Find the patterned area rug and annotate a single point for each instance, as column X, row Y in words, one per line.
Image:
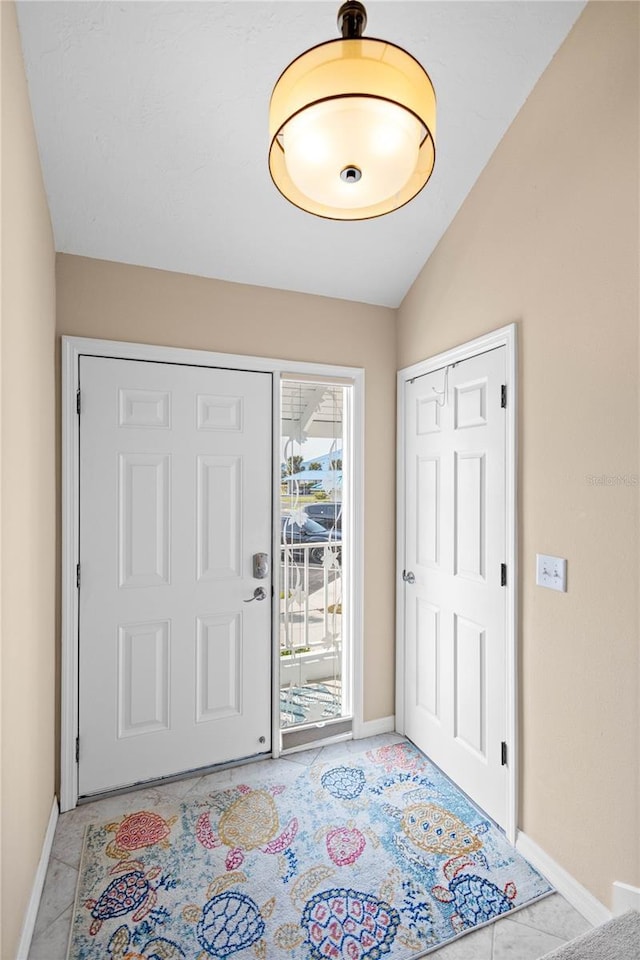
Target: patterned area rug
column 381, row 857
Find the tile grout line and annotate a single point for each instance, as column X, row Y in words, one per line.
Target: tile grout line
column 41, row 939
column 42, row 933
column 63, row 862
column 532, row 926
column 69, row 906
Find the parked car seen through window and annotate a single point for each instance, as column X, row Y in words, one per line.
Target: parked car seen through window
column 308, row 532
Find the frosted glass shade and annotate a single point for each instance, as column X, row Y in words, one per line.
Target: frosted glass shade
column 362, row 104
column 380, row 140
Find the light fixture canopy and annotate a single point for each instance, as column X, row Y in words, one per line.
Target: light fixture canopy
column 352, row 125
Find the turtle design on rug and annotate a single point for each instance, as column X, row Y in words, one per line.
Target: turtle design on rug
column 130, row 892
column 138, row 830
column 157, row 949
column 340, row 923
column 433, row 829
column 343, row 922
column 344, row 783
column 393, row 757
column 249, row 821
column 345, row 843
column 475, row 898
column 229, row 921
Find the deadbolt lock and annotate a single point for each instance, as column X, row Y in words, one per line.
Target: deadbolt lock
column 260, row 566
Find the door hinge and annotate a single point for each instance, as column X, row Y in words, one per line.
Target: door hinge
column 503, row 395
column 78, row 404
column 503, row 753
column 503, row 574
column 78, row 575
column 77, row 749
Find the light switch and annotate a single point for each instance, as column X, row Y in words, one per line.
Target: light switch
column 551, row 572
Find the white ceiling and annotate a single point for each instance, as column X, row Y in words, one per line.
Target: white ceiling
column 151, row 121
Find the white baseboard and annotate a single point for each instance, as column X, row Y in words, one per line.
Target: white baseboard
column 625, row 897
column 373, row 728
column 29, row 922
column 577, row 895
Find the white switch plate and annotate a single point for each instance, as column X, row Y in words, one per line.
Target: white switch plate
column 551, row 572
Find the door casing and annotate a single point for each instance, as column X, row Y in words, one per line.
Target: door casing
column 72, row 349
column 507, row 337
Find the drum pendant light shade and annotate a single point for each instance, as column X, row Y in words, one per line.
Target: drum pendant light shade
column 352, row 128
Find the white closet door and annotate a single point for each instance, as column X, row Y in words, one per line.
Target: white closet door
column 456, row 690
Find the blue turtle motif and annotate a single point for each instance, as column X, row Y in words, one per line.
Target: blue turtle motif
column 131, row 891
column 345, row 783
column 476, row 899
column 121, row 896
column 230, row 922
column 342, row 922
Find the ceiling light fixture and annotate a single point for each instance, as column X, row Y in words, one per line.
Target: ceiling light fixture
column 352, row 125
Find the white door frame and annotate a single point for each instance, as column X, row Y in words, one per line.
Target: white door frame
column 72, row 349
column 507, row 337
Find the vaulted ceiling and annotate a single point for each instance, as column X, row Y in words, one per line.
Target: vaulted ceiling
column 151, row 121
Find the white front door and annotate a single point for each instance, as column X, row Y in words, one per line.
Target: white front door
column 175, row 498
column 455, row 608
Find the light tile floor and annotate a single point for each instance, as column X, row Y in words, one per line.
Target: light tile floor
column 527, row 935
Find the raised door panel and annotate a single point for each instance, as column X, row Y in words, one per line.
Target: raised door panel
column 428, row 664
column 470, row 684
column 219, row 413
column 218, row 667
column 470, row 403
column 144, row 408
column 143, row 678
column 469, row 522
column 144, row 519
column 428, row 412
column 428, row 509
column 219, row 517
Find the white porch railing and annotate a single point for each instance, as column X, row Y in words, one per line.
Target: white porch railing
column 311, row 597
column 310, row 634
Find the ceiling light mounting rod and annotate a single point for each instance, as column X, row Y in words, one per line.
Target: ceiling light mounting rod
column 352, row 19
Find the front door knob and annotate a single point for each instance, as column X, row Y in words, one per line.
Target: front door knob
column 258, row 594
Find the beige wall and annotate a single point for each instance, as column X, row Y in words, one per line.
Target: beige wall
column 548, row 237
column 102, row 299
column 27, row 501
